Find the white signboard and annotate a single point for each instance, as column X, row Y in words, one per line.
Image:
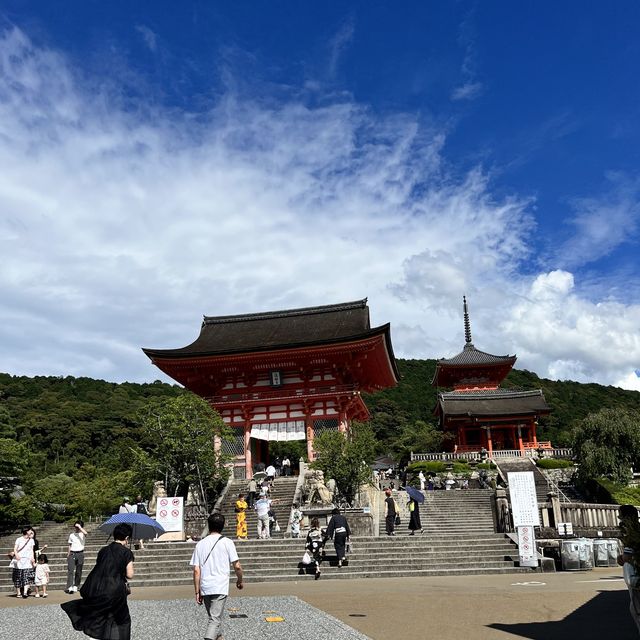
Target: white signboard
column 524, row 502
column 170, row 513
column 527, row 547
column 566, row 529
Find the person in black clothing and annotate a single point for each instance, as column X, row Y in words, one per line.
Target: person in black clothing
column 338, row 529
column 103, row 612
column 389, row 513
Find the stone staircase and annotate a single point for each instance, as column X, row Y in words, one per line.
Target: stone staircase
column 282, row 495
column 459, row 539
column 447, row 512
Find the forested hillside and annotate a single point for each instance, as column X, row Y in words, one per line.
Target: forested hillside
column 70, row 421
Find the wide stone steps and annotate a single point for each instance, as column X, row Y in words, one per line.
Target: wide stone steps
column 282, row 495
column 166, row 563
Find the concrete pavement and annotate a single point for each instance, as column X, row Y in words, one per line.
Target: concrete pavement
column 587, row 605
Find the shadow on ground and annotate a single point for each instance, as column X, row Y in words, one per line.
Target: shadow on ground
column 605, row 616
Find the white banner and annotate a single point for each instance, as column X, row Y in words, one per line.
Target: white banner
column 524, row 502
column 170, row 513
column 279, row 431
column 527, row 547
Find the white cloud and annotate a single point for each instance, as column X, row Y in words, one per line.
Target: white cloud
column 467, row 91
column 149, row 36
column 603, row 222
column 120, row 227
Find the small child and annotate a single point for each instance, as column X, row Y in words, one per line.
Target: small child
column 42, row 575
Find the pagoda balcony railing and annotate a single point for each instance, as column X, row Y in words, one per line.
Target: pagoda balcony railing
column 469, row 452
column 283, row 394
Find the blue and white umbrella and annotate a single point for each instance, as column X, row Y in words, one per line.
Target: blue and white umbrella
column 144, row 527
column 413, row 493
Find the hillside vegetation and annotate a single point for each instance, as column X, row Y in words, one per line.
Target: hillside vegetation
column 71, row 421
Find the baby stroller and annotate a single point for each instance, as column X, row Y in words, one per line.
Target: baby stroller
column 314, row 549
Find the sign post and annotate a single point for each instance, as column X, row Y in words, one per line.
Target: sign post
column 526, row 516
column 170, row 514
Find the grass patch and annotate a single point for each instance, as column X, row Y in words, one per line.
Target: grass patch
column 620, row 494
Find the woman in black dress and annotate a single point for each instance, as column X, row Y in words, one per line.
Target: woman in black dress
column 414, row 517
column 338, row 529
column 103, row 612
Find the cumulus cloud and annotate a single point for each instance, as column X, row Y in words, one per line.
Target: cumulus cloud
column 120, row 227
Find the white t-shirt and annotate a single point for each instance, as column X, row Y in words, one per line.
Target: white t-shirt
column 76, row 541
column 214, row 570
column 24, row 548
column 271, row 470
column 262, row 507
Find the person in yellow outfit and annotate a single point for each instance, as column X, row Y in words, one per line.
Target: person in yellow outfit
column 241, row 517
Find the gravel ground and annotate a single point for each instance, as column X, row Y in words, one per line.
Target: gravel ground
column 184, row 620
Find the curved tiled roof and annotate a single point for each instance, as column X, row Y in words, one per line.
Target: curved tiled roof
column 493, row 402
column 472, row 356
column 272, row 330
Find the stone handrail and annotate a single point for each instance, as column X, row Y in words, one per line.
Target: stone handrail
column 562, row 452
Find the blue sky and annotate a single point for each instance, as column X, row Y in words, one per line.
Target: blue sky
column 168, row 160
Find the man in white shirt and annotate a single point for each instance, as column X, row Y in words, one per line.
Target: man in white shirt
column 271, row 474
column 210, row 561
column 286, row 467
column 262, row 507
column 75, row 557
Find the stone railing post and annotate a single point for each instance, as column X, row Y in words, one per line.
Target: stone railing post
column 555, row 507
column 503, row 519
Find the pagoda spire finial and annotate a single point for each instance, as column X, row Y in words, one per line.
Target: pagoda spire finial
column 467, row 324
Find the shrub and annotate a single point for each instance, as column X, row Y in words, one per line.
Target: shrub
column 619, row 493
column 554, row 463
column 435, row 466
column 487, row 466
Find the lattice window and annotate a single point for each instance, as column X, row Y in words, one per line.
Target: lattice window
column 320, row 426
column 235, row 445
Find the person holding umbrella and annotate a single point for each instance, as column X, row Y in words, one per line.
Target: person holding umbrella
column 142, row 526
column 415, row 498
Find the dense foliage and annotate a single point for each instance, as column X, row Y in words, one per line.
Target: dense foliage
column 607, row 443
column 346, row 459
column 82, row 443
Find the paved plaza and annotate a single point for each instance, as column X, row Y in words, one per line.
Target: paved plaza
column 586, row 605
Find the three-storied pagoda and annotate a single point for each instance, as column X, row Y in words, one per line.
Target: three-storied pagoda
column 478, row 412
column 284, row 375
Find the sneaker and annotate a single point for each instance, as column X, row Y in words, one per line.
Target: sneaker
column 37, row 595
column 317, row 576
column 44, row 595
column 339, row 563
column 69, row 590
column 74, row 589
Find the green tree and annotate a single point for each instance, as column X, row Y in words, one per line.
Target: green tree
column 346, row 457
column 419, row 437
column 179, row 438
column 607, row 443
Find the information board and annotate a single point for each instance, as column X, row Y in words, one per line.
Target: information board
column 527, row 547
column 524, row 502
column 170, row 512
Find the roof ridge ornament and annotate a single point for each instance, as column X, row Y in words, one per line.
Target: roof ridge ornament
column 467, row 324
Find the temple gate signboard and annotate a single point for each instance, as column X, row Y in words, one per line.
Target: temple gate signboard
column 526, row 516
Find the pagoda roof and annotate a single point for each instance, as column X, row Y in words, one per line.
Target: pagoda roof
column 492, row 402
column 472, row 356
column 276, row 330
column 471, row 363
